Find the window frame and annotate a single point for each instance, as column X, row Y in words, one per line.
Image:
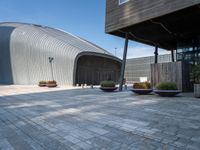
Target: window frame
column 120, row 3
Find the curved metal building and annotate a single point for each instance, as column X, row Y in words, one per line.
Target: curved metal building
column 25, row 50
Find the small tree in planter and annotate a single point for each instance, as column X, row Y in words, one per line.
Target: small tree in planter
column 142, row 88
column 196, row 73
column 42, row 83
column 108, row 86
column 167, row 89
column 52, row 83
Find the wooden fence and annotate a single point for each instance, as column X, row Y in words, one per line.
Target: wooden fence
column 178, row 72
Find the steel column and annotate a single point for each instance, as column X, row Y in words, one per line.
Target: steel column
column 123, row 63
column 156, row 55
column 172, row 55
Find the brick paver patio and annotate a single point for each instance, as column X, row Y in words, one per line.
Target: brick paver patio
column 91, row 119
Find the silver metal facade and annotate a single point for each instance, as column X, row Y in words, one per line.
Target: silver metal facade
column 137, row 68
column 25, row 48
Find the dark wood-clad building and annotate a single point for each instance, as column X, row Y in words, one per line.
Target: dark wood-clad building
column 173, row 25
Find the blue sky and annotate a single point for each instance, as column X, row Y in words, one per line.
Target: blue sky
column 84, row 18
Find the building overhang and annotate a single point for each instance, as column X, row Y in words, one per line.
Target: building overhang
column 166, row 30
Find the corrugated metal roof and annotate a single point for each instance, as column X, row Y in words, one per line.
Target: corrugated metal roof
column 28, row 47
column 67, row 38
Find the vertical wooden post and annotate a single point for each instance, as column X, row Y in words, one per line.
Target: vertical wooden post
column 156, row 54
column 123, row 63
column 172, row 55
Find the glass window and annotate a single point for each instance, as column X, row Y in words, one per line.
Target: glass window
column 122, row 1
column 188, row 50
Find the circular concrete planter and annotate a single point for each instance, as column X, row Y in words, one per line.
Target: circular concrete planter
column 142, row 91
column 197, row 90
column 167, row 93
column 42, row 85
column 51, row 85
column 108, row 89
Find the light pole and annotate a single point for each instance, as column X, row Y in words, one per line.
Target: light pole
column 115, row 52
column 51, row 66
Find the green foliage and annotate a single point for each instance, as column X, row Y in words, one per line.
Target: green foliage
column 42, row 82
column 196, row 73
column 166, row 86
column 142, row 85
column 107, row 84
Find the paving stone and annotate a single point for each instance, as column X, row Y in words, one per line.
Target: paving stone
column 5, row 145
column 76, row 147
column 128, row 128
column 84, row 145
column 179, row 144
column 72, row 139
column 79, row 119
column 196, row 139
column 97, row 130
column 19, row 143
column 81, row 134
column 193, row 146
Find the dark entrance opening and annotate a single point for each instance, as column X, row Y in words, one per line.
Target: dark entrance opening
column 6, row 74
column 91, row 70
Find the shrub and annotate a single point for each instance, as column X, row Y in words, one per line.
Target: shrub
column 142, row 85
column 107, row 84
column 51, row 82
column 166, row 86
column 42, row 82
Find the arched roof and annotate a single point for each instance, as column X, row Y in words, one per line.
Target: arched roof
column 32, row 43
column 62, row 38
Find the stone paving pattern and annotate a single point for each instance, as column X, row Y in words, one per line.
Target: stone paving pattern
column 90, row 119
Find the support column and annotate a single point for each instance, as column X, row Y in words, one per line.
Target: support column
column 156, row 54
column 172, row 55
column 123, row 63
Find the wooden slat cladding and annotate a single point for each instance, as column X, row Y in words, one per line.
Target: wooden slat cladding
column 197, row 90
column 178, row 72
column 93, row 69
column 136, row 11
